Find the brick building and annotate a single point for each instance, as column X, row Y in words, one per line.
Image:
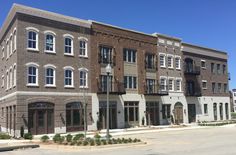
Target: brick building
column 53, row 77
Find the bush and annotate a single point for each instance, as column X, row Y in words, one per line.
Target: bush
column 79, row 143
column 4, row 136
column 61, row 140
column 98, row 142
column 56, row 138
column 72, row 143
column 130, row 140
column 119, row 141
column 44, row 138
column 92, row 142
column 28, row 136
column 97, row 136
column 69, row 138
column 85, row 142
column 78, row 137
column 109, row 142
column 104, row 142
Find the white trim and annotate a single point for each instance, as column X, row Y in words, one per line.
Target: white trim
column 177, row 56
column 32, row 28
column 32, row 64
column 49, row 32
column 206, row 84
column 86, row 77
column 54, row 76
column 173, row 85
column 68, row 35
column 172, row 58
column 180, row 79
column 164, row 55
column 201, row 63
column 72, row 45
column 83, row 38
column 83, row 68
column 50, row 65
column 86, row 47
column 68, row 67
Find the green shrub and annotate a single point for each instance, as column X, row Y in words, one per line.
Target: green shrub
column 61, row 140
column 97, row 136
column 138, row 140
column 85, row 142
column 104, row 142
column 79, row 143
column 28, row 136
column 72, row 143
column 44, row 138
column 130, row 140
column 56, row 138
column 78, row 137
column 4, row 136
column 69, row 138
column 109, row 142
column 135, row 140
column 98, row 142
column 119, row 141
column 92, row 142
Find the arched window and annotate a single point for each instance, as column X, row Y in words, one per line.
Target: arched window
column 10, row 78
column 14, row 75
column 14, row 40
column 69, row 77
column 83, row 78
column 50, row 77
column 32, row 74
column 50, row 42
column 32, row 41
column 7, row 79
column 68, row 44
column 83, row 52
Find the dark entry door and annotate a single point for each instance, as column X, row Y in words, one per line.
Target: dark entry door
column 152, row 113
column 41, row 118
column 102, row 123
column 191, row 113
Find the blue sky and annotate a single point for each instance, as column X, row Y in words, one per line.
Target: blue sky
column 210, row 23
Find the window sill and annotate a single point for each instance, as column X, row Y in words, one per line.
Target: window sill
column 32, row 85
column 50, row 52
column 170, row 67
column 163, row 66
column 50, row 86
column 178, row 69
column 70, row 55
column 203, row 67
column 82, row 56
column 69, row 87
column 33, row 49
column 82, row 87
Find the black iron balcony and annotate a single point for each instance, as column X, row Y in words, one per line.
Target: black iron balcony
column 115, row 88
column 193, row 92
column 156, row 90
column 193, row 70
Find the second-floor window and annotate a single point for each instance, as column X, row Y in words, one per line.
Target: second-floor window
column 129, row 55
column 204, row 84
column 68, row 46
column 32, row 75
column 203, row 64
column 150, row 85
column 50, row 77
column 214, row 87
column 105, row 55
column 49, row 43
column 171, row 84
column 170, row 61
column 32, row 40
column 163, row 83
column 130, row 82
column 218, row 69
column 219, row 87
column 178, row 84
column 177, row 62
column 150, row 61
column 162, row 60
column 83, row 78
column 69, row 78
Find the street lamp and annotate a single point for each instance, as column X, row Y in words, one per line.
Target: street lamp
column 108, row 71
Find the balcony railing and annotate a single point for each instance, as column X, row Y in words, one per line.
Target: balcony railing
column 193, row 70
column 115, row 88
column 156, row 90
column 195, row 92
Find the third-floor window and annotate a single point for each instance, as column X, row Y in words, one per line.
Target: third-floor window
column 150, row 61
column 68, row 46
column 130, row 82
column 105, row 56
column 32, row 40
column 49, row 43
column 83, row 48
column 129, row 55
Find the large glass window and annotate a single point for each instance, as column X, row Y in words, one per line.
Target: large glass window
column 68, row 46
column 69, row 78
column 32, row 75
column 130, row 82
column 105, row 55
column 150, row 61
column 49, row 43
column 150, row 88
column 50, row 77
column 131, row 113
column 166, row 111
column 129, row 55
column 32, row 40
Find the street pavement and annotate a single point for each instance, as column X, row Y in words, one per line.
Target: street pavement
column 202, row 141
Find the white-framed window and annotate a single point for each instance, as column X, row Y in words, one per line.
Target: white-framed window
column 32, row 74
column 129, row 55
column 203, row 64
column 8, row 49
column 177, row 62
column 178, row 83
column 162, row 57
column 170, row 61
column 69, row 77
column 205, row 109
column 3, row 81
column 204, row 84
column 50, row 42
column 83, row 47
column 83, row 77
column 130, row 82
column 14, row 40
column 50, row 76
column 68, row 43
column 14, row 75
column 7, row 82
column 32, row 38
column 163, row 83
column 11, row 45
column 10, row 78
column 3, row 52
column 171, row 84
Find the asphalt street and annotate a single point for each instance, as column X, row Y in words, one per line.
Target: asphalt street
column 210, row 141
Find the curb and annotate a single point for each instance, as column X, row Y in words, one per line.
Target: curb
column 11, row 148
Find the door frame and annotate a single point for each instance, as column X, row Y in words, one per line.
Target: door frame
column 178, row 113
